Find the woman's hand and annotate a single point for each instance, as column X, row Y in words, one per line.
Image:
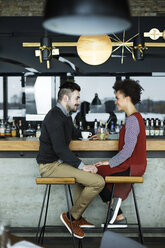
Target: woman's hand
column 90, row 168
column 105, row 162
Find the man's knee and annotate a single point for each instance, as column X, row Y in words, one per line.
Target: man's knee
column 101, row 182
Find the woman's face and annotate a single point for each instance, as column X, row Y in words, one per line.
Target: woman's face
column 121, row 101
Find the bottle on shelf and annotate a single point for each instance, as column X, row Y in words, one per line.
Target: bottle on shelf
column 20, row 129
column 8, row 130
column 95, row 126
column 81, row 126
column 30, row 132
column 147, row 127
column 161, row 130
column 38, row 131
column 101, row 131
column 2, row 129
column 106, row 128
column 13, row 129
column 75, row 123
column 88, row 128
column 152, row 131
column 117, row 128
column 156, row 128
column 112, row 128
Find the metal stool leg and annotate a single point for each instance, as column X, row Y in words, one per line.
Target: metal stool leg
column 46, row 212
column 70, row 193
column 109, row 209
column 42, row 232
column 42, row 207
column 67, row 200
column 80, row 243
column 71, row 198
column 138, row 216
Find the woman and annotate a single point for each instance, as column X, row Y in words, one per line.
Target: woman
column 131, row 158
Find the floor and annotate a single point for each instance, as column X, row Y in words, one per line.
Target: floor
column 91, row 242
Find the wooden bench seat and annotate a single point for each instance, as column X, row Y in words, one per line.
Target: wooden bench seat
column 55, row 180
column 123, row 179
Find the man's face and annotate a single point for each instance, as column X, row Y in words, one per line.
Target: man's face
column 73, row 101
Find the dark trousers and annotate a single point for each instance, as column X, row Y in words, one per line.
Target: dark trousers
column 105, row 194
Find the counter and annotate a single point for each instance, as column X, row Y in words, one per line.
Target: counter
column 32, row 144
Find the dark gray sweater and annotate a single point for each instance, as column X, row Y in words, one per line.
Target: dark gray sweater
column 56, row 133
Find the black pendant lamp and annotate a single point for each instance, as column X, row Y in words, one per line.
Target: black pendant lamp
column 86, row 17
column 96, row 100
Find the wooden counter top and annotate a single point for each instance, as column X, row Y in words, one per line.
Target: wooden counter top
column 32, row 144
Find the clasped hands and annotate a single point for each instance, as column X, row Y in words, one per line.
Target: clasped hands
column 92, row 168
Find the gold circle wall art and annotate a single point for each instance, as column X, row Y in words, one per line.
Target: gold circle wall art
column 94, row 50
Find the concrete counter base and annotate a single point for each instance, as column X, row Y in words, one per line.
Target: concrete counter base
column 21, row 198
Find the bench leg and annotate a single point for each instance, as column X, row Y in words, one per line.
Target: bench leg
column 138, row 216
column 67, row 189
column 40, row 237
column 109, row 209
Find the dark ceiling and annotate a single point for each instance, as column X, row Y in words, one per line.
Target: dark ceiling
column 14, row 58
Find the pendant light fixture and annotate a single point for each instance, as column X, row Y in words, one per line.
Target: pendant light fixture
column 86, row 17
column 96, row 100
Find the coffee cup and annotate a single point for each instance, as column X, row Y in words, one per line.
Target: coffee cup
column 85, row 134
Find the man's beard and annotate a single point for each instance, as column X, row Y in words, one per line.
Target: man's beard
column 72, row 110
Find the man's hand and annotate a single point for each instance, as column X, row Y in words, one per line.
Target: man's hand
column 90, row 168
column 105, row 162
column 94, row 137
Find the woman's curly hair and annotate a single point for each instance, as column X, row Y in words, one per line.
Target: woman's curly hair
column 129, row 88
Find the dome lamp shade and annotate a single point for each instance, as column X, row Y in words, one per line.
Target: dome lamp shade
column 86, row 17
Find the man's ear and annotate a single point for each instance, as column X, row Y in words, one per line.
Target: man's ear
column 65, row 98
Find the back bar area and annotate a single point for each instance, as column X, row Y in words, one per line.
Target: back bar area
column 34, row 64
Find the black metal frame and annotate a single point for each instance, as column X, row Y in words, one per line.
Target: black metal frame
column 136, row 210
column 41, row 230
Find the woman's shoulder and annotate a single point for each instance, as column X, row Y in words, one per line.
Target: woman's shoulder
column 132, row 120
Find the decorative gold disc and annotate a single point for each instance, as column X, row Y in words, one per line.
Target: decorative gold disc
column 94, row 50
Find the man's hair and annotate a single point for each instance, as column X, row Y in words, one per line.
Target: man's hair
column 67, row 88
column 129, row 88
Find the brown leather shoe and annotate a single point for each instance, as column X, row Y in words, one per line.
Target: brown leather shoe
column 85, row 224
column 77, row 231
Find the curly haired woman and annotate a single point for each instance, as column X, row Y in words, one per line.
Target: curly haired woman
column 131, row 156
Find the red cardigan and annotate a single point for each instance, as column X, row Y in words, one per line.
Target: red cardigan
column 137, row 162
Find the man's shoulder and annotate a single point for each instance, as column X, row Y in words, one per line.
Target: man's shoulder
column 54, row 113
column 54, row 110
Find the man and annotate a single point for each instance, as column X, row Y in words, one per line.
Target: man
column 56, row 160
